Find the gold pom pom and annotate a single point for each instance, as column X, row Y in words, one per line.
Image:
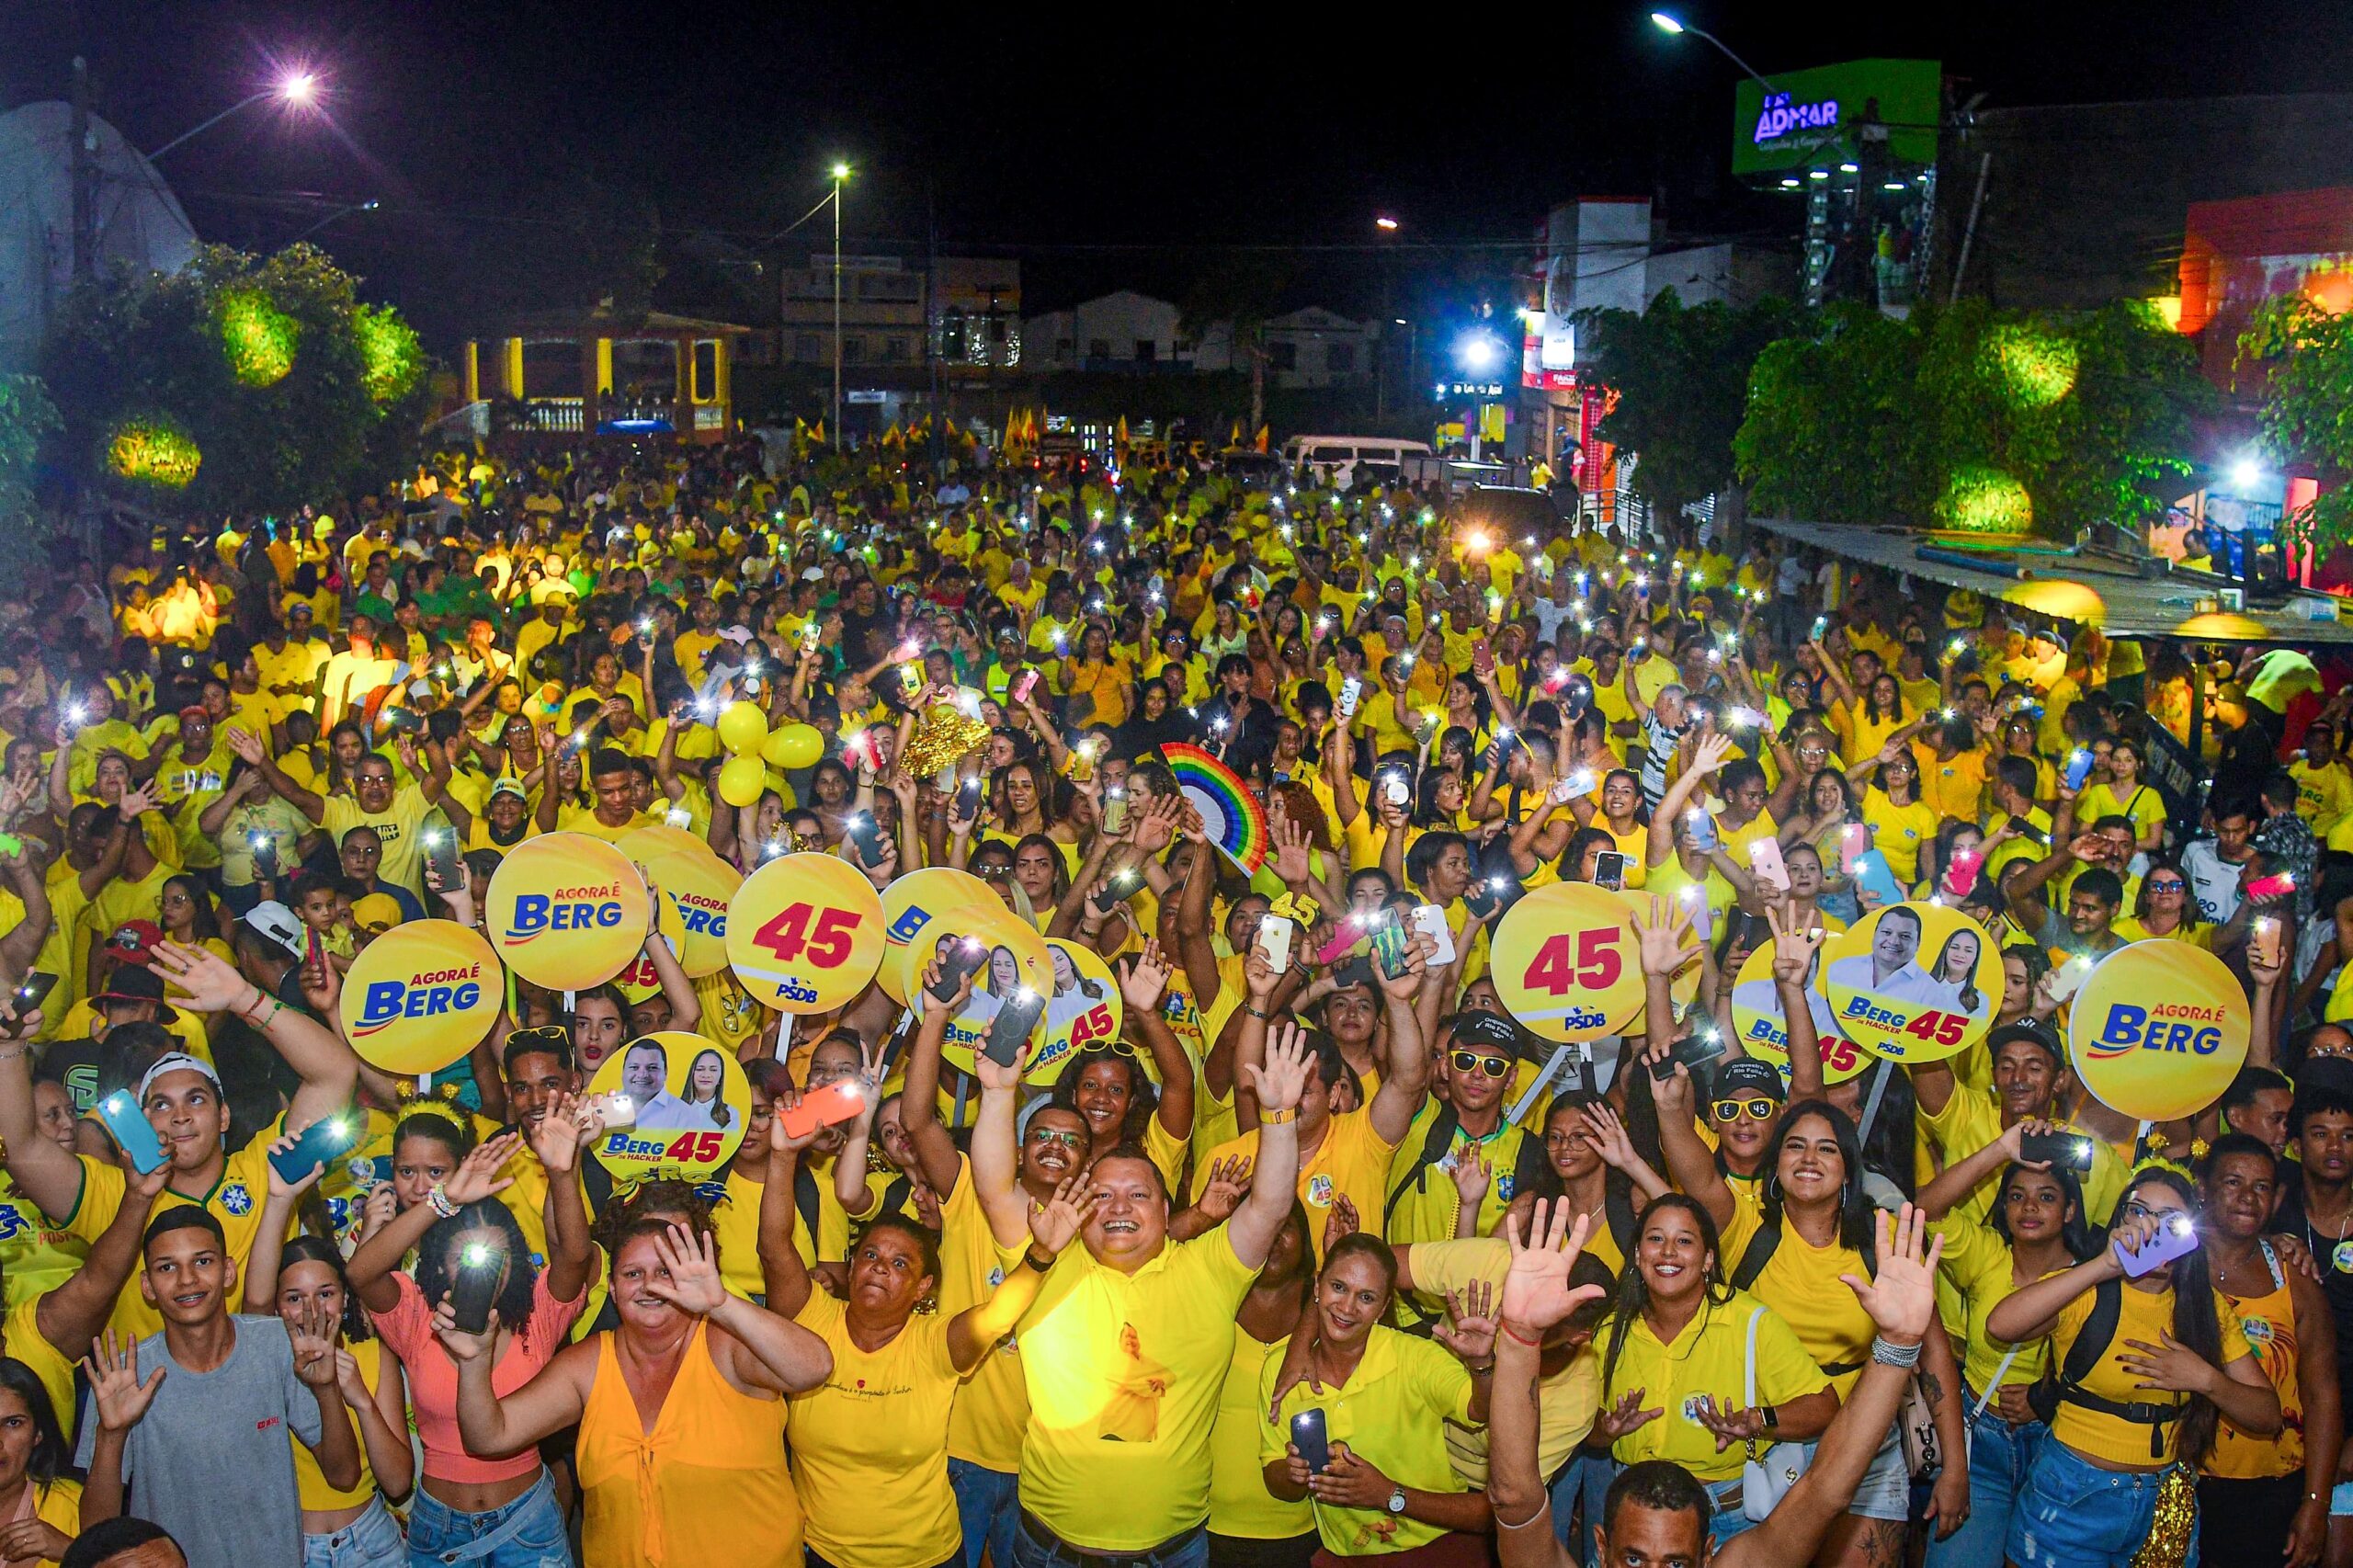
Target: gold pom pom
column 2177, row 1518
column 942, row 737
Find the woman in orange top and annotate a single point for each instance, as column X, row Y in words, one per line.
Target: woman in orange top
column 681, row 1410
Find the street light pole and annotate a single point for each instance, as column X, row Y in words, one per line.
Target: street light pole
column 841, row 173
column 1667, row 24
column 1387, row 225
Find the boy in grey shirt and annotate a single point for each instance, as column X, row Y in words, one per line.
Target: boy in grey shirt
column 203, row 1440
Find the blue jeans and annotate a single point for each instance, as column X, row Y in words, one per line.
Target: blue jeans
column 525, row 1533
column 1585, row 1477
column 1030, row 1552
column 2000, row 1457
column 371, row 1541
column 988, row 1508
column 2074, row 1515
column 1727, row 1515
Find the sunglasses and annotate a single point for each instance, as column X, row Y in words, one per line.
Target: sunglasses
column 2165, row 885
column 1757, row 1109
column 1473, row 1061
column 1109, row 1047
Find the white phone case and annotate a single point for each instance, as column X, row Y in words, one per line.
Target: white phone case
column 1431, row 919
column 1274, row 940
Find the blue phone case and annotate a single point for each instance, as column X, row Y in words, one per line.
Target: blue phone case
column 1871, row 872
column 2079, row 768
column 119, row 1114
column 1308, row 1436
column 321, row 1143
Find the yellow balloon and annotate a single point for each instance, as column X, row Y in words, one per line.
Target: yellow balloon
column 795, row 745
column 741, row 779
column 742, row 728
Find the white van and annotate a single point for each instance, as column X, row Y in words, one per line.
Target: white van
column 1334, row 460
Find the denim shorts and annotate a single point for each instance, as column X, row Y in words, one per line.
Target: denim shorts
column 371, row 1541
column 2074, row 1515
column 2340, row 1501
column 525, row 1533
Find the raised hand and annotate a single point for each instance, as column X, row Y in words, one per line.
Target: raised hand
column 1536, row 1289
column 1145, row 979
column 1470, row 1324
column 1229, row 1180
column 1664, row 940
column 955, row 1003
column 1474, row 1173
column 1710, row 754
column 279, row 1185
column 999, row 1079
column 1902, row 1297
column 348, row 1381
column 1290, row 856
column 113, row 1371
column 477, row 1176
column 556, row 1140
column 211, row 983
column 1055, row 1224
column 312, row 1329
column 1283, row 1079
column 1795, row 940
column 463, row 1347
column 1406, row 983
column 692, row 1264
column 1608, row 1135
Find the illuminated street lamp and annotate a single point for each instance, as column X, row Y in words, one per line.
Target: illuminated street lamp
column 296, row 89
column 1668, row 24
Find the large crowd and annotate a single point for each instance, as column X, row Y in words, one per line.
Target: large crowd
column 1335, row 1246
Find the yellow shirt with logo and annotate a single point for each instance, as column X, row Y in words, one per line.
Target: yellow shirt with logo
column 1568, row 1398
column 868, row 1444
column 1352, row 1161
column 1709, row 1355
column 1392, row 1411
column 396, row 826
column 235, row 1202
column 1124, row 1372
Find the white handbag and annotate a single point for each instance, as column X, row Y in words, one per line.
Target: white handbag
column 1763, row 1479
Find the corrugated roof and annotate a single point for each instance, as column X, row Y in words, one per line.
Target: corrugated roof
column 2137, row 606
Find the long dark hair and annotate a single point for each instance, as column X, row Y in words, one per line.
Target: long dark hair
column 1617, row 1186
column 311, row 1249
column 2193, row 1316
column 49, row 1454
column 1634, row 1294
column 1384, row 1258
column 437, row 1271
column 1144, row 1100
column 1855, row 1211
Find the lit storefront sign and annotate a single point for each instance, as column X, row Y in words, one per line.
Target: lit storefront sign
column 1804, row 116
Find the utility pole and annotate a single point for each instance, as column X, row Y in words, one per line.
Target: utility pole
column 931, row 294
column 841, row 173
column 84, row 176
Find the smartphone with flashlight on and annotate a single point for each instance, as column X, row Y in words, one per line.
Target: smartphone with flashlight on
column 2071, row 1149
column 1274, row 932
column 2266, row 937
column 31, row 992
column 121, row 1115
column 1765, row 861
column 962, row 959
column 1115, row 809
column 476, row 1285
column 321, row 1143
column 2176, row 1237
column 263, row 848
column 1308, row 1435
column 865, row 838
column 836, row 1102
column 441, row 856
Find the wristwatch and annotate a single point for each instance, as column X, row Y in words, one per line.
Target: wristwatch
column 1770, row 1415
column 1397, row 1500
column 1030, row 1257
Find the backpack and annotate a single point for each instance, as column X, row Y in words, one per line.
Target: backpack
column 2064, row 1385
column 1435, row 1144
column 1759, row 1252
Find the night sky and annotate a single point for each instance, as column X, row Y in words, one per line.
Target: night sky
column 508, row 138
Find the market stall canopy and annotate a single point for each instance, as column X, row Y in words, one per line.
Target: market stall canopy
column 2129, row 604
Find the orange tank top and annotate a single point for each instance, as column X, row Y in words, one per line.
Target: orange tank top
column 2270, row 1320
column 708, row 1485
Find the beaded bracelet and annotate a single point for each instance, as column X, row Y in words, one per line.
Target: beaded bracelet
column 1888, row 1354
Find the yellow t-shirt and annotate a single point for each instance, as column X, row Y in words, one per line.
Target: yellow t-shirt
column 1970, row 1119
column 315, row 1492
column 236, row 1202
column 1800, row 1283
column 991, row 1403
column 1391, row 1411
column 21, row 1333
column 396, row 826
column 1898, row 831
column 1240, row 1503
column 1124, row 1373
column 1710, row 1355
column 1352, row 1161
column 2147, row 1316
column 1978, row 1266
column 868, row 1445
column 1953, row 786
column 2143, row 804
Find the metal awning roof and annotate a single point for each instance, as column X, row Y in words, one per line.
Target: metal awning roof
column 2136, row 606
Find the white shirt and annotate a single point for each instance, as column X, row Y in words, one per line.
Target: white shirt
column 2213, row 882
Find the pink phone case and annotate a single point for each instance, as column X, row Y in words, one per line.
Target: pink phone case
column 1765, row 860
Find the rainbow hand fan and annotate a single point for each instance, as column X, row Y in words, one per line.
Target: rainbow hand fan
column 1232, row 816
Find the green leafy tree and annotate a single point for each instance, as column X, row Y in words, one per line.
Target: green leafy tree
column 1680, row 373
column 27, row 419
column 238, row 384
column 2307, row 411
column 1242, row 295
column 1974, row 419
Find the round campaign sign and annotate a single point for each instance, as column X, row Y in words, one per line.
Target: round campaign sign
column 420, row 996
column 566, row 911
column 1764, row 1030
column 1008, row 957
column 804, row 933
column 1913, row 981
column 1085, row 1007
column 689, row 1104
column 2158, row 1030
column 696, row 884
column 912, row 902
column 1566, row 962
